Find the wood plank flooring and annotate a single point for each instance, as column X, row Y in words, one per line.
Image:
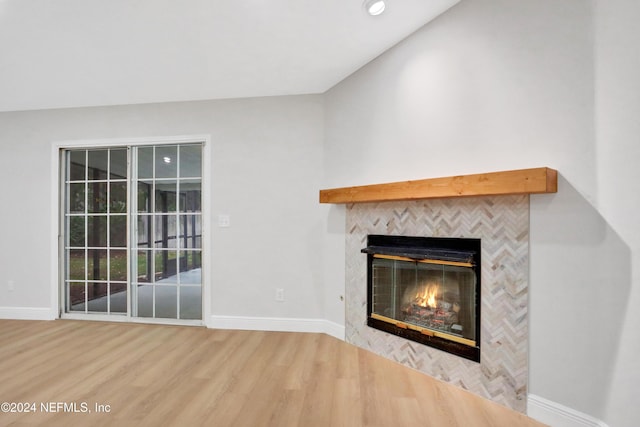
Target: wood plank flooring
column 152, row 375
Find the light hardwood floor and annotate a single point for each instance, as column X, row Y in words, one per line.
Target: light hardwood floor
column 153, row 375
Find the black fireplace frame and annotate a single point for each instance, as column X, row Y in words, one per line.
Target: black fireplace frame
column 413, row 247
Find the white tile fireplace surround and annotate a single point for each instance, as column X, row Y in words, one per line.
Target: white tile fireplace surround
column 492, row 207
column 502, row 224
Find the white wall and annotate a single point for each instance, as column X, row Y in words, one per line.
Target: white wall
column 500, row 84
column 618, row 198
column 491, row 84
column 266, row 169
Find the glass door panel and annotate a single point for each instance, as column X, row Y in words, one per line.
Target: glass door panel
column 167, row 277
column 96, row 273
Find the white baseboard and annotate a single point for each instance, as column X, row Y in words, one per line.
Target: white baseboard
column 286, row 324
column 27, row 313
column 557, row 415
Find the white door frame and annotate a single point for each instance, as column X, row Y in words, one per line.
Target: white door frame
column 57, row 283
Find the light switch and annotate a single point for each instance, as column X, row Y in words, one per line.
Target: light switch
column 224, row 221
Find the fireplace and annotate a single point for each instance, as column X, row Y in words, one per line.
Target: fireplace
column 493, row 207
column 426, row 289
column 501, row 223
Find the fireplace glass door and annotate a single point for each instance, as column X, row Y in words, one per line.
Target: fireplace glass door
column 426, row 289
column 425, row 296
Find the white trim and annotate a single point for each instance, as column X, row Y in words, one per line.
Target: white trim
column 56, row 146
column 278, row 324
column 557, row 415
column 27, row 313
column 334, row 329
column 123, row 318
column 54, row 229
column 122, row 142
column 207, row 229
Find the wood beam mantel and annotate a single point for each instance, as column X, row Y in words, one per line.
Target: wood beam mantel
column 522, row 181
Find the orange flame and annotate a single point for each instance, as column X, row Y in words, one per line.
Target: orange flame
column 426, row 297
column 431, row 301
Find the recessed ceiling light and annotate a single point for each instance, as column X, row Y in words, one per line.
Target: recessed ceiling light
column 167, row 159
column 374, row 7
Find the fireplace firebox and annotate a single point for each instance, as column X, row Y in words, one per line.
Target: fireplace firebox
column 426, row 289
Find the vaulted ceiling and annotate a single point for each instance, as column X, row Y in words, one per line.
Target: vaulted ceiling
column 72, row 53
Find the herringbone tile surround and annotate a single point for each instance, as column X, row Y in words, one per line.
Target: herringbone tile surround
column 502, row 223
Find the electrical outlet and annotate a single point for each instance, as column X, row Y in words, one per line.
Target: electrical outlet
column 11, row 285
column 279, row 294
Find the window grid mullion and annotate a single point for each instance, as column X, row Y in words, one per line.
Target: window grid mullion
column 86, row 231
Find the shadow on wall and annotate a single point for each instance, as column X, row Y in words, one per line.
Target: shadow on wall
column 580, row 285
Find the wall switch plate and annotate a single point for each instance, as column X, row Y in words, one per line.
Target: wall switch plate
column 224, row 220
column 279, row 294
column 11, row 286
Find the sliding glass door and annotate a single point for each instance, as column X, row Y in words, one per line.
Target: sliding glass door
column 133, row 231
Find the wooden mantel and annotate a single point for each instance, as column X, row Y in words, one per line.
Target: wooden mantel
column 522, row 181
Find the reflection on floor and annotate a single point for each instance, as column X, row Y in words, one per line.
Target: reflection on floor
column 166, row 298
